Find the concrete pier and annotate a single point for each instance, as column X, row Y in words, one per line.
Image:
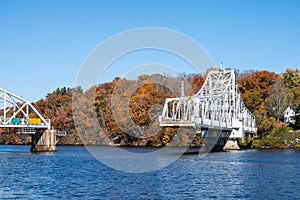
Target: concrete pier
column 231, row 145
column 44, row 141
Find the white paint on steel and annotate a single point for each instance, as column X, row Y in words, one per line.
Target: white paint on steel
column 218, row 104
column 13, row 106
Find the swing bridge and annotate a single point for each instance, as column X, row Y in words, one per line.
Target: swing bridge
column 217, row 105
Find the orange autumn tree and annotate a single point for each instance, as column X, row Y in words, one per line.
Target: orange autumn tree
column 255, row 88
column 58, row 107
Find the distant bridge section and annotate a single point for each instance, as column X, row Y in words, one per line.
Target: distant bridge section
column 217, row 105
column 19, row 114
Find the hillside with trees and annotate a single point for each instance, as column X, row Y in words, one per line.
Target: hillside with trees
column 127, row 110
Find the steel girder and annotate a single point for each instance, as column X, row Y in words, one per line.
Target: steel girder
column 218, row 104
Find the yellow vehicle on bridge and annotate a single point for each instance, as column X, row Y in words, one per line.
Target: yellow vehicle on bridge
column 34, row 121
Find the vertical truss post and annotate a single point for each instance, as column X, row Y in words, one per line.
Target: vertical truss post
column 218, row 104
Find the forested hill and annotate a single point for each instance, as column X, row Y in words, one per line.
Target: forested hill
column 266, row 94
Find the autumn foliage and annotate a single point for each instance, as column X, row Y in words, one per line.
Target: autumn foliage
column 125, row 112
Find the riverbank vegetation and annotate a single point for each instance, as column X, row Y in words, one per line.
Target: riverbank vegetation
column 127, row 110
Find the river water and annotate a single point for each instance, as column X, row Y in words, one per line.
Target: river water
column 72, row 173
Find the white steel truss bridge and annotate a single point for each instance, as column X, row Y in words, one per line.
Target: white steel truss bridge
column 217, row 105
column 20, row 115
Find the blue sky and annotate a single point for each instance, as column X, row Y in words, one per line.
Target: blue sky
column 44, row 43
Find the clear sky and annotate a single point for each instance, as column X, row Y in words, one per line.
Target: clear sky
column 43, row 43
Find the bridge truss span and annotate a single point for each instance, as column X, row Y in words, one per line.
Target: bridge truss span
column 19, row 116
column 218, row 104
column 16, row 112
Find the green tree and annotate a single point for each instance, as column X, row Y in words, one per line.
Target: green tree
column 277, row 101
column 291, row 79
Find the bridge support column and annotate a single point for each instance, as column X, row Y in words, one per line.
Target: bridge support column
column 44, row 141
column 236, row 133
column 231, row 145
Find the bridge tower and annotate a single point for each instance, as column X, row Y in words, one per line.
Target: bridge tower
column 217, row 105
column 20, row 116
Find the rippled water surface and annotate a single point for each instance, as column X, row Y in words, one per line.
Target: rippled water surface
column 72, row 172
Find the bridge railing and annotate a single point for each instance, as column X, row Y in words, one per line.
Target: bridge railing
column 204, row 113
column 196, row 112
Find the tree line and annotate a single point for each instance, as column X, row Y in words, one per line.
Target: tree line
column 127, row 110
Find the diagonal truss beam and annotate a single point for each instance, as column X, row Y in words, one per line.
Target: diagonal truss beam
column 13, row 106
column 217, row 104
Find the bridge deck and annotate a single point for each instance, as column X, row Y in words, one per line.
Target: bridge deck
column 39, row 126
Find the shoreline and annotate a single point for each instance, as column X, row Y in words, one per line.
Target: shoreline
column 296, row 147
